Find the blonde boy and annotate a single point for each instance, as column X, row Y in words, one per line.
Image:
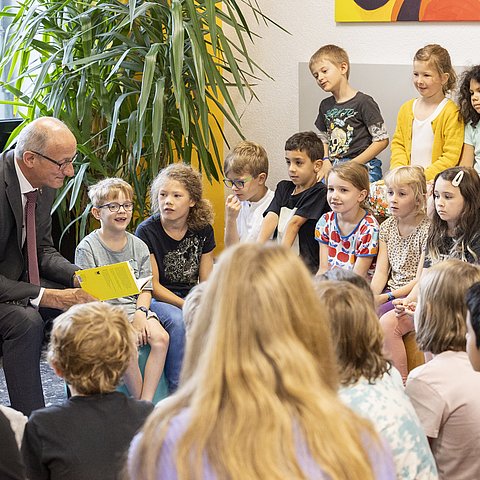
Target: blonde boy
column 299, row 203
column 246, row 170
column 350, row 122
column 87, row 436
column 112, row 206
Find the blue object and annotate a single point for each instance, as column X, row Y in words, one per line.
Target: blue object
column 162, row 389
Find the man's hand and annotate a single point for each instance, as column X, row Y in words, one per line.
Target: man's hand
column 232, row 207
column 64, row 299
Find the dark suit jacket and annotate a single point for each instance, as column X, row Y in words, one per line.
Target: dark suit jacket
column 52, row 265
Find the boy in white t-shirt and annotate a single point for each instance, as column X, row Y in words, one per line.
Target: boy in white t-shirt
column 246, row 170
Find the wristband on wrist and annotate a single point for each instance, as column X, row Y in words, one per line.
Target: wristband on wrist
column 326, row 158
column 390, row 296
column 142, row 309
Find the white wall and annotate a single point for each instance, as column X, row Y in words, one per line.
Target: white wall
column 311, row 24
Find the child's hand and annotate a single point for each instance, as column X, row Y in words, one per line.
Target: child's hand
column 141, row 326
column 232, row 207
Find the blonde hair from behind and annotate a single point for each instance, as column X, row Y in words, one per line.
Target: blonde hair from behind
column 332, row 53
column 201, row 214
column 356, row 331
column 91, row 345
column 259, row 369
column 246, row 158
column 108, row 189
column 439, row 58
column 441, row 310
column 413, row 177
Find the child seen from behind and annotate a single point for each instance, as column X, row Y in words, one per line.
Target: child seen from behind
column 300, row 202
column 246, row 170
column 86, row 437
column 446, row 389
column 348, row 235
column 369, row 384
column 349, row 121
column 403, row 236
column 112, row 206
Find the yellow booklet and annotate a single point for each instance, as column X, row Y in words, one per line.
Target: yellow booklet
column 111, row 281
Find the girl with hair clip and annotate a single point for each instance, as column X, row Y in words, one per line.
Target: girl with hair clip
column 369, row 384
column 180, row 238
column 402, row 236
column 454, row 233
column 429, row 129
column 258, row 395
column 445, row 390
column 348, row 235
column 469, row 101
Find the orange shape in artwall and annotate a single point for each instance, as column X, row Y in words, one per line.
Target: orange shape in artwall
column 449, row 10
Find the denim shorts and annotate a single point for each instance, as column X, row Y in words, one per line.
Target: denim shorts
column 374, row 167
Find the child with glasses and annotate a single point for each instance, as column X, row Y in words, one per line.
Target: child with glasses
column 112, row 206
column 246, row 170
column 298, row 203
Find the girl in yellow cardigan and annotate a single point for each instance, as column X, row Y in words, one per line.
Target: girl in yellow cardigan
column 429, row 129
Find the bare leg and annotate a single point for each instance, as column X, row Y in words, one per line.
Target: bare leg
column 133, row 377
column 158, row 342
column 394, row 328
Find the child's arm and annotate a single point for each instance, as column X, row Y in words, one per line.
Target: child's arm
column 380, row 277
column 468, row 156
column 206, row 266
column 291, row 230
column 161, row 293
column 451, row 135
column 232, row 209
column 362, row 264
column 323, row 259
column 371, row 151
column 140, row 317
column 269, row 224
column 402, row 138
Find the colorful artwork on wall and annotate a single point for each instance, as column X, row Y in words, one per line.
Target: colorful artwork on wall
column 407, row 10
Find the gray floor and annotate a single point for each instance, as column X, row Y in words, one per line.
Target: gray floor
column 53, row 387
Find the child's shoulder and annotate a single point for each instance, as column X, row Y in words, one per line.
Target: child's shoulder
column 370, row 220
column 87, row 241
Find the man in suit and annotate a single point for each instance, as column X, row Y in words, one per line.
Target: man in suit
column 40, row 162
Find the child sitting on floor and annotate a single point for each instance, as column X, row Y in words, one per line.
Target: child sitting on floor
column 87, row 436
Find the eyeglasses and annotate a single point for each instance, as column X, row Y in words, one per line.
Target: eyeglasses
column 115, row 207
column 61, row 165
column 238, row 183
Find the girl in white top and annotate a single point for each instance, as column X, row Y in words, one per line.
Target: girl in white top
column 445, row 391
column 429, row 131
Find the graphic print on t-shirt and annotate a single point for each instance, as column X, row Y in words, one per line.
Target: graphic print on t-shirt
column 182, row 264
column 339, row 131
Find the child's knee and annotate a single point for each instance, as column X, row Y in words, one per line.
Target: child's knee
column 159, row 337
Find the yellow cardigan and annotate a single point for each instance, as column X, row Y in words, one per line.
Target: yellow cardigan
column 447, row 139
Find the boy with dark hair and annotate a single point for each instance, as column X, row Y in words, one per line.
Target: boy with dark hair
column 350, row 122
column 300, row 202
column 87, row 436
column 473, row 325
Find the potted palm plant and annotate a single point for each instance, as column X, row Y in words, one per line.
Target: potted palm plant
column 140, row 83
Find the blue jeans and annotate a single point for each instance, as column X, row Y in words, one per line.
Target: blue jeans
column 374, row 167
column 171, row 318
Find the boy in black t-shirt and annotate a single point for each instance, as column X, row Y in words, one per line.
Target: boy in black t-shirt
column 300, row 202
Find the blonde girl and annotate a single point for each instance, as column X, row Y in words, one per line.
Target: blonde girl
column 258, row 396
column 348, row 235
column 402, row 236
column 445, row 390
column 454, row 233
column 180, row 238
column 429, row 129
column 369, row 385
column 469, row 101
